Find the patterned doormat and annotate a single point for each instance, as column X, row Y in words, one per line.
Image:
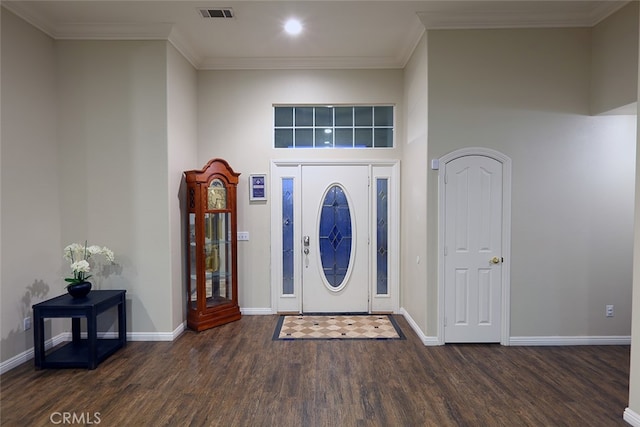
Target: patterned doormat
column 337, row 327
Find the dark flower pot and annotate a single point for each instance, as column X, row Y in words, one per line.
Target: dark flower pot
column 79, row 290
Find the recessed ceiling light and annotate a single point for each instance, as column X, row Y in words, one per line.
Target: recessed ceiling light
column 293, row 27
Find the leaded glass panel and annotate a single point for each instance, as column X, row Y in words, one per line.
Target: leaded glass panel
column 287, row 236
column 335, row 236
column 382, row 236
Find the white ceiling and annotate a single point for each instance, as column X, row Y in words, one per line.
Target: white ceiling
column 337, row 33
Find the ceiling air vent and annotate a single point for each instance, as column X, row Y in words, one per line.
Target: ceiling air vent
column 225, row 12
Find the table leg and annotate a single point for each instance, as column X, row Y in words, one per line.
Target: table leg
column 122, row 322
column 92, row 339
column 75, row 329
column 38, row 339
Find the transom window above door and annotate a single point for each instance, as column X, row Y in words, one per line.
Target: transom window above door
column 326, row 126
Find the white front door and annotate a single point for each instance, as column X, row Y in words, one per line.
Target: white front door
column 335, row 224
column 473, row 249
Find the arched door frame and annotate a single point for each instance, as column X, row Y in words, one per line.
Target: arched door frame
column 506, row 235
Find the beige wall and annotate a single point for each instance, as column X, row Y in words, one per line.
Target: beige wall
column 415, row 255
column 113, row 135
column 614, row 60
column 632, row 413
column 182, row 116
column 30, row 266
column 109, row 152
column 525, row 93
column 235, row 122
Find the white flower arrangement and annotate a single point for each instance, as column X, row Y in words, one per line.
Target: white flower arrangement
column 78, row 255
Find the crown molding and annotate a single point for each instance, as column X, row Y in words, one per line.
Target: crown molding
column 167, row 31
column 90, row 30
column 113, row 31
column 515, row 15
column 25, row 11
column 441, row 15
column 603, row 10
column 297, row 63
column 185, row 47
column 414, row 35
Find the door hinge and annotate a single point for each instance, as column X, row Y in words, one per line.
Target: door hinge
column 446, row 251
column 368, row 181
column 446, row 178
column 445, row 320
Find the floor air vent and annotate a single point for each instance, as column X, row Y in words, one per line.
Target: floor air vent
column 226, row 12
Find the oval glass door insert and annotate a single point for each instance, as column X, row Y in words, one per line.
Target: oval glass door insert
column 335, row 236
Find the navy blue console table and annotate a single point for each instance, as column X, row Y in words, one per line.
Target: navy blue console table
column 79, row 353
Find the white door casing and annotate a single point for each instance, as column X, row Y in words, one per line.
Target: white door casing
column 474, row 247
column 308, row 193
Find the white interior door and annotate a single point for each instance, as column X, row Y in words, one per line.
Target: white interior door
column 473, row 250
column 335, row 224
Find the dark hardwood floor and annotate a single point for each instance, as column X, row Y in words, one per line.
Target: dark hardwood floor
column 235, row 375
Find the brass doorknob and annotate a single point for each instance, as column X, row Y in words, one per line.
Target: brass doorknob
column 495, row 260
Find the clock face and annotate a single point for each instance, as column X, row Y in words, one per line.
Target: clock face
column 217, row 195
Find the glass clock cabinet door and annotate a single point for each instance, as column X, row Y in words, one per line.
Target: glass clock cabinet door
column 193, row 276
column 218, row 258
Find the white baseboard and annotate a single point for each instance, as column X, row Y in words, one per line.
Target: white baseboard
column 153, row 336
column 27, row 355
column 571, row 340
column 253, row 311
column 530, row 341
column 631, row 417
column 426, row 340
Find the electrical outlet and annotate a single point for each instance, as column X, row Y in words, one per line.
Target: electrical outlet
column 609, row 310
column 243, row 235
column 26, row 323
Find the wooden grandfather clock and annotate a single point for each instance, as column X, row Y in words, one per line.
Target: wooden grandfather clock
column 212, row 285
